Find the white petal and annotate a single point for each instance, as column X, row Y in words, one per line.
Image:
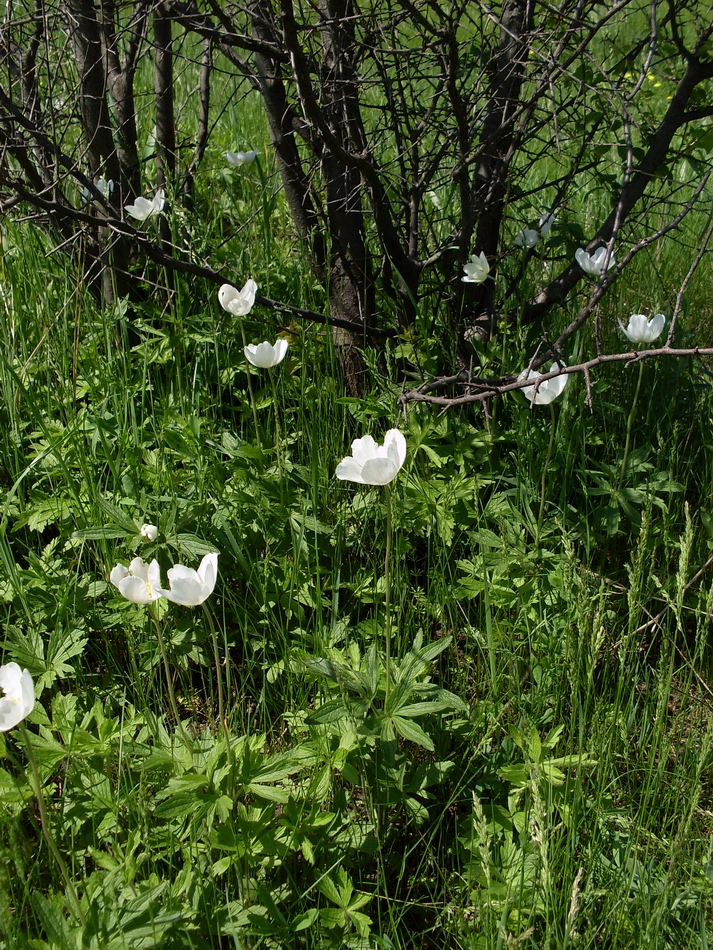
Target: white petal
column 349, row 470
column 208, row 572
column 656, row 326
column 247, row 294
column 140, row 209
column 139, row 568
column 395, row 445
column 118, row 574
column 364, row 449
column 226, row 295
column 28, row 693
column 281, row 347
column 185, row 586
column 136, row 590
column 379, row 471
column 261, row 355
column 545, row 224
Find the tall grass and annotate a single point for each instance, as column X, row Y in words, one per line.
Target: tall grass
column 549, row 782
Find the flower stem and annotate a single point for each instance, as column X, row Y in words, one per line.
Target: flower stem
column 219, row 683
column 167, row 670
column 629, row 423
column 250, row 390
column 387, row 589
column 51, row 844
column 277, row 438
column 543, row 485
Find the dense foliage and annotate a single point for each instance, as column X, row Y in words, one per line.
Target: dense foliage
column 468, row 707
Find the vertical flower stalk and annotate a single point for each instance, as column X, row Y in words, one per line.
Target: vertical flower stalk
column 543, row 484
column 167, row 671
column 264, row 356
column 629, row 423
column 373, row 464
column 387, row 589
column 219, row 684
column 638, row 330
column 278, row 439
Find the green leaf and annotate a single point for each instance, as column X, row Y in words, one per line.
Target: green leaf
column 413, row 732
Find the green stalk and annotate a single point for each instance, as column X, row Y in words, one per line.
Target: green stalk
column 387, row 588
column 277, row 437
column 543, row 485
column 167, row 670
column 629, row 423
column 250, row 388
column 51, row 844
column 219, row 683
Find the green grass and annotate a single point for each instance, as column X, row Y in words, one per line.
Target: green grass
column 549, row 783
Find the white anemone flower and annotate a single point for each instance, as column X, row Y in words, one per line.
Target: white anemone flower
column 549, row 389
column 241, row 158
column 593, row 264
column 238, row 302
column 477, row 270
column 139, row 582
column 528, row 237
column 264, row 355
column 373, row 464
column 142, row 208
column 18, row 698
column 641, row 330
column 149, row 532
column 544, row 226
column 190, row 588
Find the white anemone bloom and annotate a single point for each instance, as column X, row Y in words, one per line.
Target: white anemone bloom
column 593, row 264
column 149, row 532
column 264, row 355
column 477, row 270
column 545, row 223
column 142, row 208
column 241, row 158
column 641, row 330
column 104, row 187
column 528, row 237
column 18, row 699
column 139, row 582
column 548, row 390
column 190, row 588
column 238, row 302
column 373, row 464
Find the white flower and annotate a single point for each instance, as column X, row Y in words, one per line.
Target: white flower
column 544, row 225
column 594, row 263
column 241, row 158
column 265, row 354
column 149, row 532
column 478, row 269
column 103, row 186
column 548, row 390
column 140, row 582
column 238, row 302
column 641, row 330
column 18, row 700
column 142, row 208
column 373, row 464
column 190, row 588
column 527, row 238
